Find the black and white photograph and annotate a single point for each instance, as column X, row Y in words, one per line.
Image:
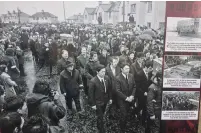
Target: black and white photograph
column 180, row 105
column 182, row 71
column 183, row 34
column 81, row 66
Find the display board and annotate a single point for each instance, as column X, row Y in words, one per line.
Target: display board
column 181, row 67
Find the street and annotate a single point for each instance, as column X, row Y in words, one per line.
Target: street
column 173, row 36
column 85, row 123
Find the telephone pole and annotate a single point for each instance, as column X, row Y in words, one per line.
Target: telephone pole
column 18, row 13
column 123, row 11
column 64, row 11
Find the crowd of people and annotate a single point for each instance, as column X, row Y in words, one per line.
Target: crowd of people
column 179, row 102
column 113, row 66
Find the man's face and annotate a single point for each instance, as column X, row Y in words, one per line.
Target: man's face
column 115, row 62
column 126, row 70
column 101, row 73
column 148, row 55
column 89, row 48
column 70, row 68
column 131, row 56
column 65, row 55
column 95, row 57
column 104, row 52
column 84, row 51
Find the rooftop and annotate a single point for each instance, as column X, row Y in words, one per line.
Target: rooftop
column 90, row 10
column 44, row 14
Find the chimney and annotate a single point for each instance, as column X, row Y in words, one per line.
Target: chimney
column 100, row 2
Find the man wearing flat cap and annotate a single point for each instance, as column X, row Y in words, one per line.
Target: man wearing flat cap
column 100, row 95
column 70, row 85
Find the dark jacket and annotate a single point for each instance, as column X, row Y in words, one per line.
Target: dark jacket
column 90, row 69
column 142, row 81
column 154, row 97
column 123, row 89
column 103, row 60
column 81, row 63
column 41, row 104
column 70, row 84
column 97, row 94
column 111, row 76
column 61, row 65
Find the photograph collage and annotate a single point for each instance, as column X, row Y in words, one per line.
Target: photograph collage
column 100, row 66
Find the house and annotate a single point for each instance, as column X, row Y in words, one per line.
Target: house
column 76, row 19
column 89, row 15
column 149, row 13
column 109, row 12
column 43, row 17
column 15, row 17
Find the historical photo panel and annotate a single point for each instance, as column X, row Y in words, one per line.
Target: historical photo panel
column 183, row 34
column 180, row 105
column 182, row 71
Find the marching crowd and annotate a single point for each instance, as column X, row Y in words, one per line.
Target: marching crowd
column 179, row 102
column 114, row 67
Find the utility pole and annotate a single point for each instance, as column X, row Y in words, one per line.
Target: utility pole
column 64, row 11
column 123, row 11
column 18, row 12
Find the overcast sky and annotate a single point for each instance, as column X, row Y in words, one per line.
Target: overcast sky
column 54, row 7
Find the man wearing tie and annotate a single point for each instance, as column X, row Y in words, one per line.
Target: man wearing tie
column 100, row 95
column 142, row 80
column 125, row 90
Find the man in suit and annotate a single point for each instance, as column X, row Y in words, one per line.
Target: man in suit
column 142, row 79
column 112, row 70
column 82, row 60
column 61, row 64
column 125, row 90
column 100, row 95
column 70, row 85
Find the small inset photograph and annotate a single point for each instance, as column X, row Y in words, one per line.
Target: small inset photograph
column 180, row 100
column 182, row 71
column 183, row 34
column 180, row 105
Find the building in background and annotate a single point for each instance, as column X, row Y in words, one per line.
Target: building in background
column 43, row 17
column 78, row 19
column 89, row 15
column 148, row 13
column 15, row 17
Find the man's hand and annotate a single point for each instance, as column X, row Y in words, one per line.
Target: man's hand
column 64, row 94
column 128, row 99
column 152, row 117
column 145, row 94
column 56, row 96
column 110, row 102
column 132, row 98
column 94, row 107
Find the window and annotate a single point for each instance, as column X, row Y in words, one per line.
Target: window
column 92, row 17
column 149, row 25
column 85, row 16
column 109, row 15
column 133, row 8
column 45, row 18
column 149, row 7
column 37, row 18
